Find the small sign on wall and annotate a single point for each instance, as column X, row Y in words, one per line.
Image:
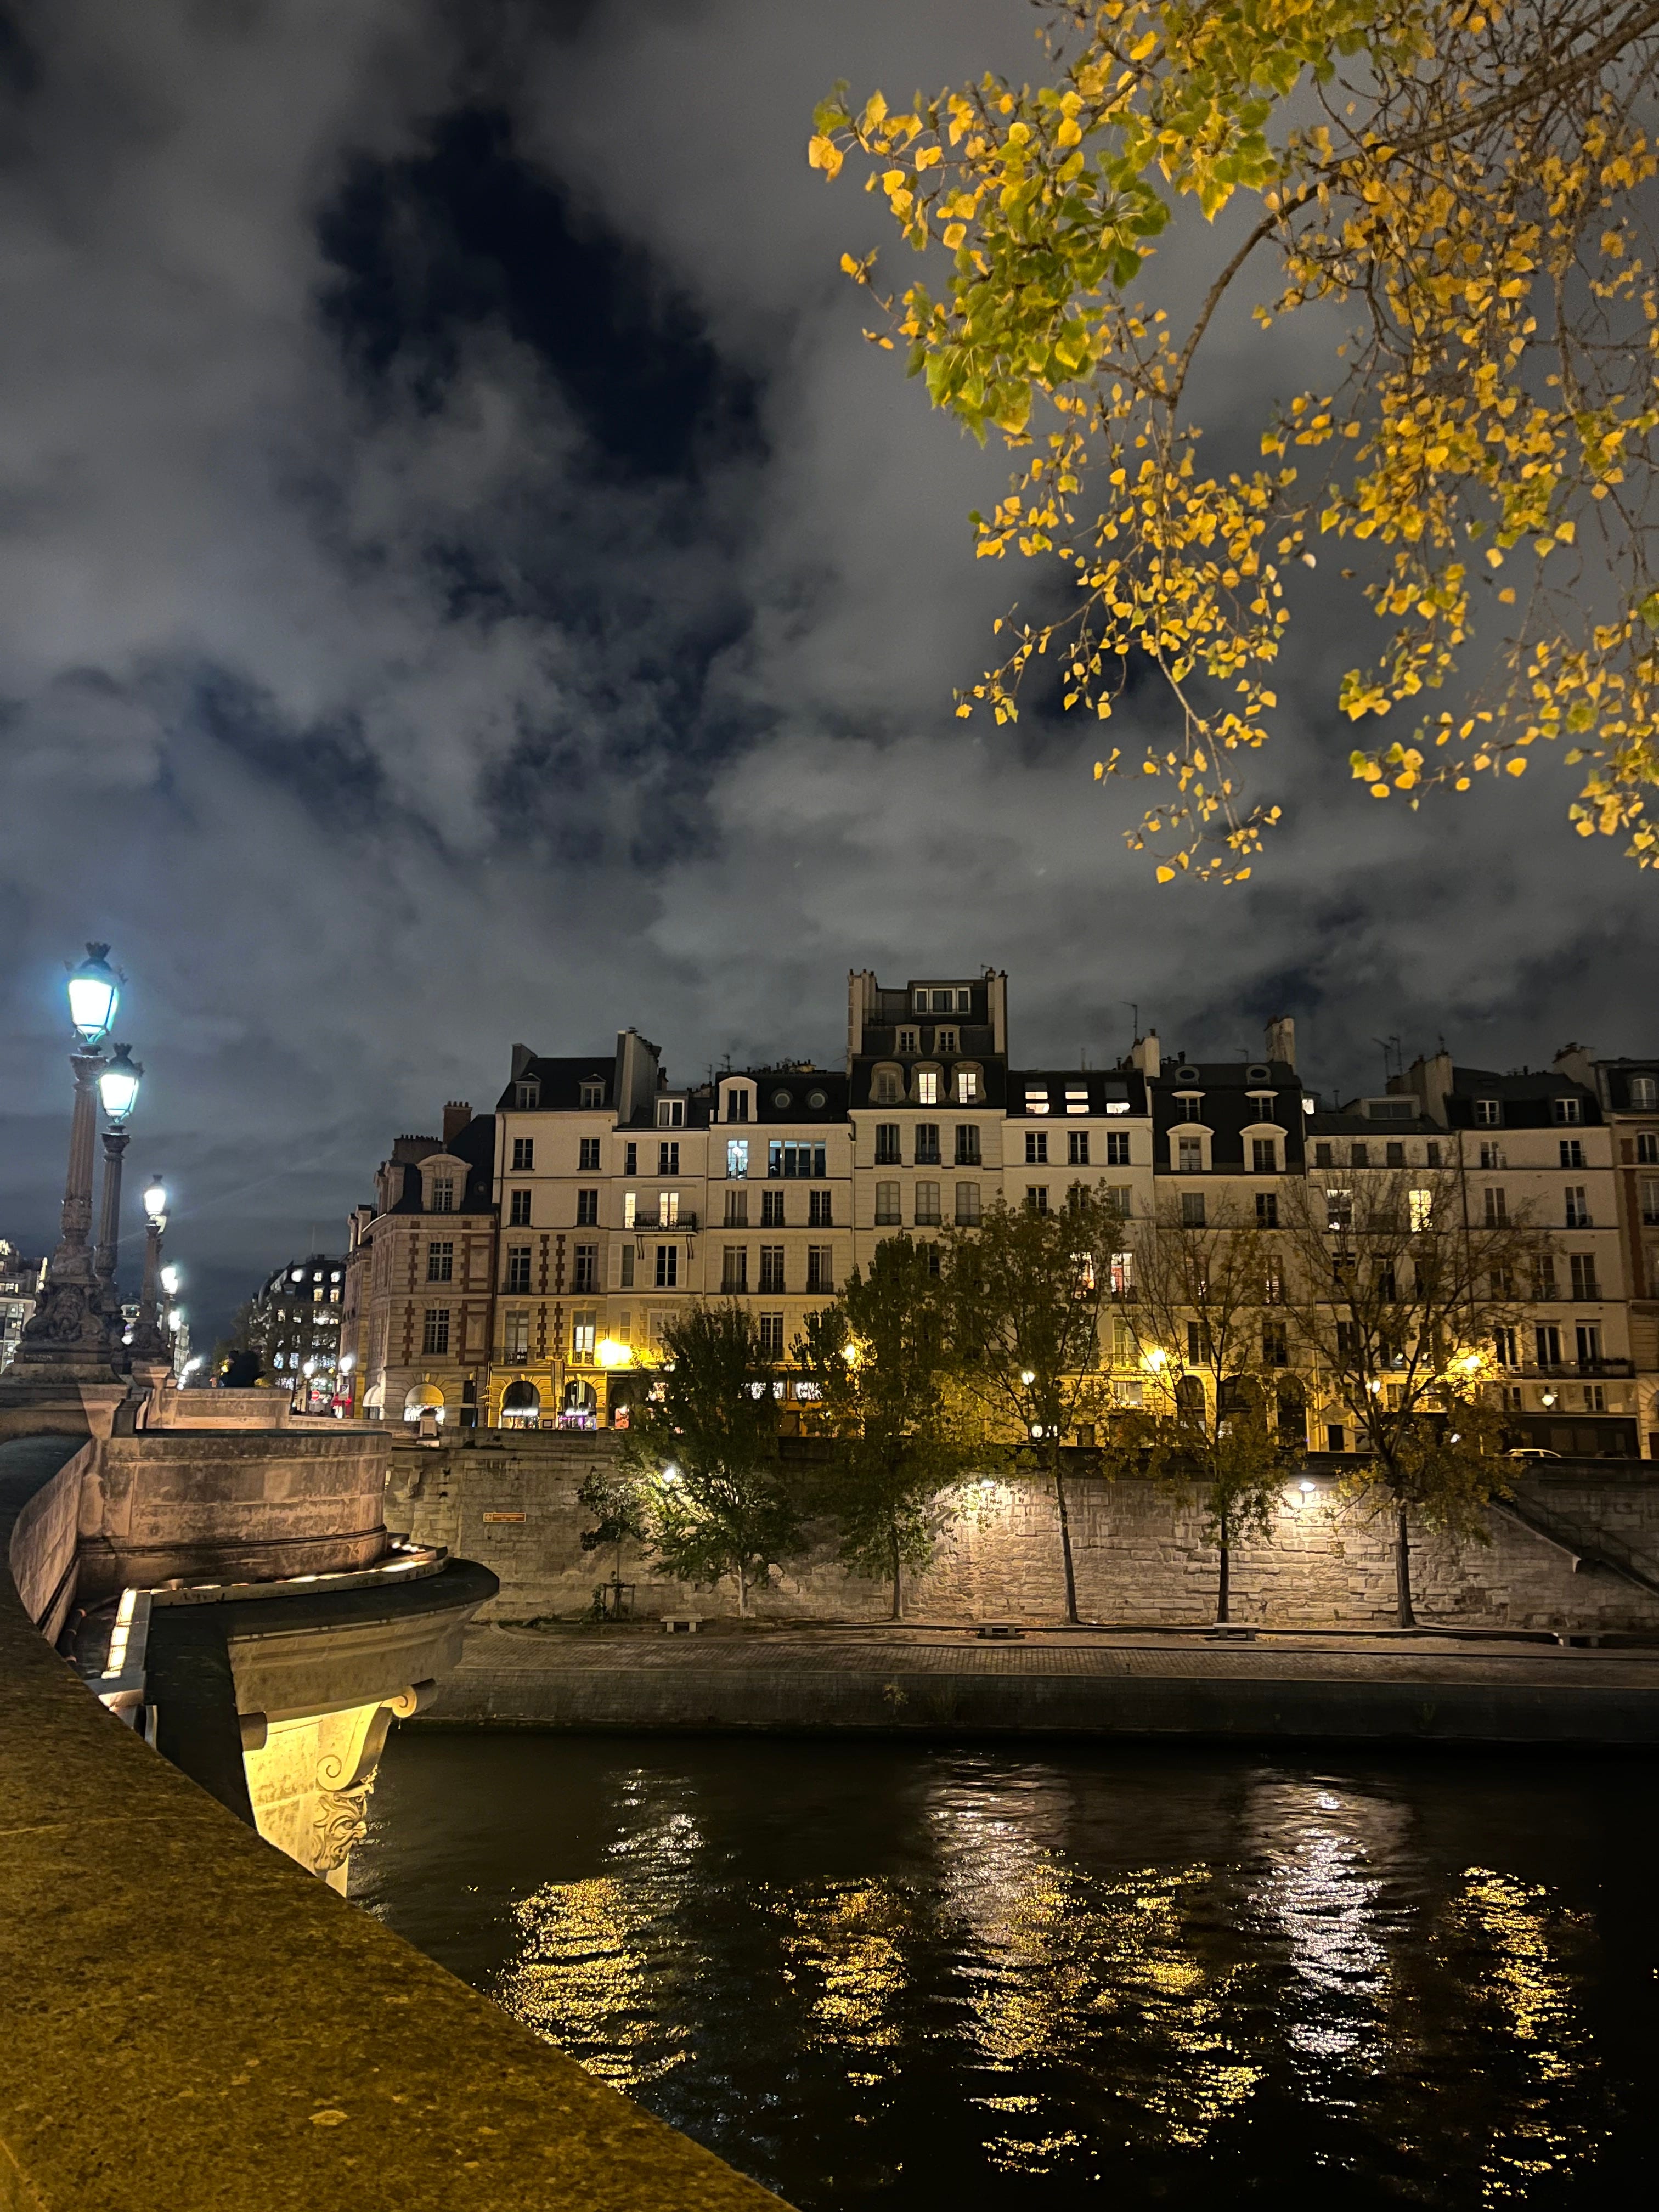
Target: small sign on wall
column 489, row 1517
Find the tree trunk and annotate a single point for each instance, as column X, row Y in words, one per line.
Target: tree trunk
column 1064, row 1537
column 898, row 1586
column 742, row 1586
column 1403, row 1569
column 1224, row 1579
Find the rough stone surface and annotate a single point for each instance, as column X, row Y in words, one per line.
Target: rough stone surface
column 193, row 2022
column 1140, row 1553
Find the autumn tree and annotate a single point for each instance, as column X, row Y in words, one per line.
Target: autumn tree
column 1464, row 188
column 878, row 1355
column 1405, row 1304
column 1204, row 1307
column 698, row 1482
column 1024, row 1295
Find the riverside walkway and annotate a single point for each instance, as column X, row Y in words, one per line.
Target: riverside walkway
column 1252, row 1684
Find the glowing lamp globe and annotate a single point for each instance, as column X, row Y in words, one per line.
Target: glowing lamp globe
column 612, row 1354
column 94, row 994
column 118, row 1085
column 155, row 1201
column 171, row 1279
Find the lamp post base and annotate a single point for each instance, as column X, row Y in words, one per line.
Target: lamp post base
column 66, row 1338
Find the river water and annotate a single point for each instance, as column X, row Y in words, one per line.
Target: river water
column 881, row 1974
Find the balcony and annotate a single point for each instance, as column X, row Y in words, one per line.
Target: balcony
column 684, row 1223
column 1533, row 1371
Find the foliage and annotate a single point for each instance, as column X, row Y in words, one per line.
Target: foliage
column 1203, row 1307
column 1399, row 1299
column 1465, row 183
column 699, row 1485
column 878, row 1358
column 1023, row 1295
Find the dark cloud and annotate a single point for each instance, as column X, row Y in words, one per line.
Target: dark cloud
column 464, row 577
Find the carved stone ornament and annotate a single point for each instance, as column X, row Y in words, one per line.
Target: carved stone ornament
column 341, row 1823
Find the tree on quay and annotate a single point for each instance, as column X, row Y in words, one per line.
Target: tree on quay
column 698, row 1483
column 878, row 1358
column 1469, row 186
column 1410, row 1311
column 1024, row 1295
column 1203, row 1305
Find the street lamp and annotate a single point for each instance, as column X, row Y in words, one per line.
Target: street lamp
column 149, row 1344
column 94, row 993
column 68, row 1337
column 118, row 1091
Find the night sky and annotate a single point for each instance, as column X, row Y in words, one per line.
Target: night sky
column 464, row 578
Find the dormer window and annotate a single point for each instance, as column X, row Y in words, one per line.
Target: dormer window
column 736, row 1105
column 1189, row 1105
column 592, row 1095
column 1488, row 1113
column 968, row 1092
column 927, row 1087
column 1644, row 1094
column 1077, row 1098
column 1037, row 1102
column 908, row 1041
column 944, row 1042
column 884, row 1087
column 443, row 1194
column 526, row 1096
column 1568, row 1109
column 921, row 1006
column 670, row 1112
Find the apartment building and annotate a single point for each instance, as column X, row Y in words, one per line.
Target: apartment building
column 522, row 1266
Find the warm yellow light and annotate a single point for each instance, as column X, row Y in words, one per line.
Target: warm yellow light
column 1157, row 1358
column 612, row 1354
column 853, row 1352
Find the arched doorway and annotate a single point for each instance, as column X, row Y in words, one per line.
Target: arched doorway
column 579, row 1406
column 521, row 1406
column 423, row 1398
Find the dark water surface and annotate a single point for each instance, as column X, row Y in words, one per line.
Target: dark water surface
column 913, row 1976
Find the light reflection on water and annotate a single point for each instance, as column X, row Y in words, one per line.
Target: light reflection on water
column 895, row 1973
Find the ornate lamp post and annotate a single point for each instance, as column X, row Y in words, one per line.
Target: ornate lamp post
column 118, row 1091
column 150, row 1347
column 65, row 1338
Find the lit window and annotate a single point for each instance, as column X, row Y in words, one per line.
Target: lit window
column 583, row 1328
column 1422, row 1209
column 967, row 1085
column 927, row 1087
column 1077, row 1101
column 630, row 1208
column 1037, row 1102
column 668, row 1208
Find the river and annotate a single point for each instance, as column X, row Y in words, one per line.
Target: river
column 881, row 1974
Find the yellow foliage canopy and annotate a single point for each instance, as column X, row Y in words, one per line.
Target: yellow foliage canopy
column 1470, row 179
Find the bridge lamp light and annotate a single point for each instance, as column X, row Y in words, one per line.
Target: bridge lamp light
column 155, row 1202
column 118, row 1083
column 94, row 994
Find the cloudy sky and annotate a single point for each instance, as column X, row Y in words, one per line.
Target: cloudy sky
column 463, row 578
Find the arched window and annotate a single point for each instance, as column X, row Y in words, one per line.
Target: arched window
column 579, row 1408
column 521, row 1406
column 1644, row 1093
column 423, row 1398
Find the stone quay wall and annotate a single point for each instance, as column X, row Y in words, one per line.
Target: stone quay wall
column 508, row 1498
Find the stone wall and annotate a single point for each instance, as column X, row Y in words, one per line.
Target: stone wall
column 508, row 1498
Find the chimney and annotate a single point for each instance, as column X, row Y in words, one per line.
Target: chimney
column 457, row 1114
column 1144, row 1054
column 1281, row 1039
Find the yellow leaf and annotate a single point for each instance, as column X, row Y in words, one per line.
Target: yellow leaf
column 1166, row 875
column 1515, row 767
column 823, row 154
column 1142, row 47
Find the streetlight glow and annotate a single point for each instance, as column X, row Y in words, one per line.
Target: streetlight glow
column 118, row 1083
column 171, row 1279
column 94, row 994
column 155, row 1202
